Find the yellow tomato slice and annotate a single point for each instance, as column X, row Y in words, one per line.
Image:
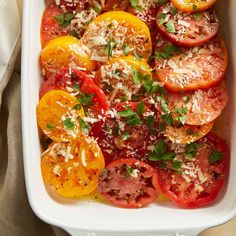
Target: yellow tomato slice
column 116, row 33
column 63, row 52
column 117, row 77
column 193, row 5
column 73, row 169
column 187, row 133
column 57, row 116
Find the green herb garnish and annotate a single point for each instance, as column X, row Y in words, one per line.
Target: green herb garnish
column 215, row 156
column 68, row 124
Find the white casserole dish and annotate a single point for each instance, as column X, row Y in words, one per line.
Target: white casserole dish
column 94, row 218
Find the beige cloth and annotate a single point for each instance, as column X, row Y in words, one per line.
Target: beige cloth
column 16, row 216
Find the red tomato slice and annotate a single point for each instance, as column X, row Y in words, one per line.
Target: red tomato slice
column 202, row 106
column 70, row 5
column 183, row 69
column 126, row 135
column 129, row 183
column 187, row 29
column 50, row 28
column 78, row 83
column 200, row 173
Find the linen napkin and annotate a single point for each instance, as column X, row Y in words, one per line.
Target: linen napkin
column 16, row 216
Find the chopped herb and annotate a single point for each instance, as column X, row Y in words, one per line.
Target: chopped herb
column 170, row 27
column 215, row 156
column 75, row 86
column 194, row 7
column 77, row 106
column 64, row 19
column 164, row 106
column 126, row 50
column 127, row 113
column 162, row 19
column 135, row 77
column 116, row 132
column 86, row 99
column 150, row 121
column 181, row 111
column 173, row 10
column 134, row 121
column 135, row 97
column 161, row 2
column 168, row 118
column 187, row 99
column 129, row 170
column 135, row 5
column 111, row 45
column 176, row 165
column 162, row 126
column 131, row 116
column 104, row 171
column 124, row 98
column 85, row 127
column 197, row 15
column 97, row 7
column 73, row 33
column 140, row 108
column 68, row 124
column 151, row 58
column 180, row 120
column 137, row 56
column 168, row 51
column 160, row 147
column 162, row 165
column 125, row 136
column 191, row 149
column 50, row 126
column 168, row 156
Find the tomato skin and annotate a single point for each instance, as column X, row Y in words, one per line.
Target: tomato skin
column 115, row 179
column 50, row 28
column 72, row 178
column 199, row 71
column 62, row 80
column 188, row 6
column 195, row 33
column 182, row 193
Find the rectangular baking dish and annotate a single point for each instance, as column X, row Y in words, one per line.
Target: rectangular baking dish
column 94, row 218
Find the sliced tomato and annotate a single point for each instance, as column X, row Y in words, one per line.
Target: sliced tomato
column 187, row 29
column 72, row 169
column 129, row 183
column 50, row 28
column 184, row 69
column 201, row 106
column 57, row 116
column 112, row 33
column 187, row 133
column 126, row 135
column 116, row 5
column 119, row 78
column 195, row 176
column 64, row 51
column 70, row 5
column 79, row 84
column 193, row 5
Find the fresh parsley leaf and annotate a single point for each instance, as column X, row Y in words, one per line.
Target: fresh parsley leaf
column 64, row 19
column 180, row 120
column 191, row 149
column 127, row 113
column 151, row 58
column 126, row 50
column 168, row 51
column 125, row 136
column 162, row 126
column 73, row 33
column 162, row 19
column 215, row 156
column 137, row 56
column 75, row 86
column 161, row 2
column 160, row 147
column 50, row 126
column 181, row 110
column 164, row 106
column 85, row 127
column 140, row 108
column 86, row 99
column 173, row 10
column 170, row 27
column 116, row 132
column 150, row 121
column 176, row 165
column 134, row 121
column 68, row 124
column 168, row 156
column 197, row 15
column 97, row 7
column 104, row 171
column 77, row 106
column 135, row 77
column 135, row 5
column 111, row 45
column 162, row 165
column 129, row 170
column 168, row 118
column 194, row 7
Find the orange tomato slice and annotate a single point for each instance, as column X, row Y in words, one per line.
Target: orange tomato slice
column 64, row 51
column 193, row 5
column 187, row 133
column 57, row 116
column 72, row 169
column 116, row 33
